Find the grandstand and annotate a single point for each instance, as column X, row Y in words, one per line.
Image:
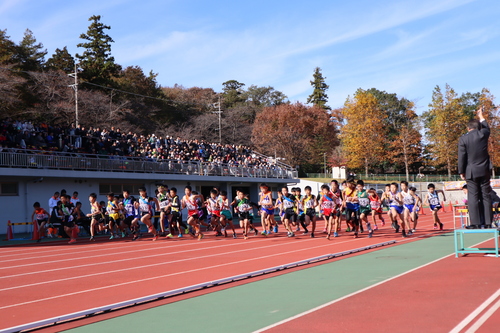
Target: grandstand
column 34, row 165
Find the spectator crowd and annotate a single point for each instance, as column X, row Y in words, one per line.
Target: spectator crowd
column 79, row 139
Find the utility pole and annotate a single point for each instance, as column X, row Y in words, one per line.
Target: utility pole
column 217, row 105
column 75, row 88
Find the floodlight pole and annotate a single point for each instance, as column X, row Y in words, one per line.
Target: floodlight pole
column 217, row 105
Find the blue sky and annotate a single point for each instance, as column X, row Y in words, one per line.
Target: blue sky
column 404, row 47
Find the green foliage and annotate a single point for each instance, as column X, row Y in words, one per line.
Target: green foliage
column 7, row 48
column 232, row 93
column 319, row 97
column 96, row 61
column 30, row 55
column 61, row 60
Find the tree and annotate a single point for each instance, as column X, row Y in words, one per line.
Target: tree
column 264, row 96
column 9, row 91
column 30, row 55
column 96, row 61
column 445, row 122
column 319, row 97
column 492, row 116
column 61, row 60
column 363, row 132
column 406, row 146
column 232, row 93
column 7, row 48
column 291, row 131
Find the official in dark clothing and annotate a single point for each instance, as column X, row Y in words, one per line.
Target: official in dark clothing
column 474, row 166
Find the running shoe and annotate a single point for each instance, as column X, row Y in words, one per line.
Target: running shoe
column 409, row 233
column 305, row 233
column 397, row 228
column 312, row 235
column 124, row 234
column 186, row 231
column 92, row 238
column 361, row 230
column 298, row 229
column 375, row 227
column 328, row 236
column 383, row 222
column 218, row 234
column 440, row 226
column 112, row 236
column 200, row 236
column 162, row 234
column 263, row 233
column 370, row 234
column 256, row 232
column 72, row 241
column 393, row 225
column 234, row 236
column 335, row 234
column 150, row 229
column 435, row 226
column 355, row 235
column 403, row 233
column 180, row 235
column 292, row 234
column 413, row 230
column 245, row 236
column 276, row 229
column 169, row 236
column 348, row 229
column 324, row 231
column 155, row 238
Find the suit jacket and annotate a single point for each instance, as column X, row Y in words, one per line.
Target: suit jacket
column 473, row 157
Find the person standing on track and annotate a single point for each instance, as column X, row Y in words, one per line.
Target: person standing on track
column 474, row 166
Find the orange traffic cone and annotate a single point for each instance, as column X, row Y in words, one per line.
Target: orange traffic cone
column 36, row 234
column 10, row 234
column 422, row 211
column 451, row 206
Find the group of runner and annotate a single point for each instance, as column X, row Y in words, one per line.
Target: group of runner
column 122, row 215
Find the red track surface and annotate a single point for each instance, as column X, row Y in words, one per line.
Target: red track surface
column 47, row 280
column 442, row 293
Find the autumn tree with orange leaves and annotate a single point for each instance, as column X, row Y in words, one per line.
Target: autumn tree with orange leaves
column 492, row 116
column 296, row 132
column 445, row 122
column 363, row 132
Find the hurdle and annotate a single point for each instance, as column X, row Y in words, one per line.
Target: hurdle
column 11, row 231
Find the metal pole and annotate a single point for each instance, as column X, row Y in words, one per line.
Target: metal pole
column 76, row 96
column 220, row 124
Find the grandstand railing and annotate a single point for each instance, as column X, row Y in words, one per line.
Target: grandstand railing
column 87, row 162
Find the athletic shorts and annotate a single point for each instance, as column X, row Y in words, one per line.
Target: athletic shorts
column 399, row 209
column 67, row 223
column 216, row 213
column 365, row 211
column 176, row 216
column 435, row 207
column 268, row 211
column 290, row 215
column 144, row 213
column 410, row 207
column 329, row 213
column 301, row 217
column 42, row 221
column 128, row 220
column 244, row 216
column 193, row 213
column 311, row 212
column 349, row 214
column 227, row 214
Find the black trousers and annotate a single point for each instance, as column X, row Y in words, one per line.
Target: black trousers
column 479, row 200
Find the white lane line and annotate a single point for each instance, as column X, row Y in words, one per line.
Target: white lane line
column 484, row 318
column 476, row 313
column 354, row 293
column 157, row 277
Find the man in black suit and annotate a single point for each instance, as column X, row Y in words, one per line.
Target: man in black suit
column 474, row 166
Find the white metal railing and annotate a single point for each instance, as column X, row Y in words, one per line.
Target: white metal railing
column 15, row 158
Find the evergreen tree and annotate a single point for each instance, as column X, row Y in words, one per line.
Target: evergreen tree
column 96, row 61
column 7, row 48
column 61, row 60
column 232, row 93
column 319, row 97
column 30, row 55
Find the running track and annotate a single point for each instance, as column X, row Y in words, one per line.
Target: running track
column 46, row 280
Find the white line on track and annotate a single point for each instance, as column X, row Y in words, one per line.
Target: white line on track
column 155, row 277
column 355, row 293
column 476, row 313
